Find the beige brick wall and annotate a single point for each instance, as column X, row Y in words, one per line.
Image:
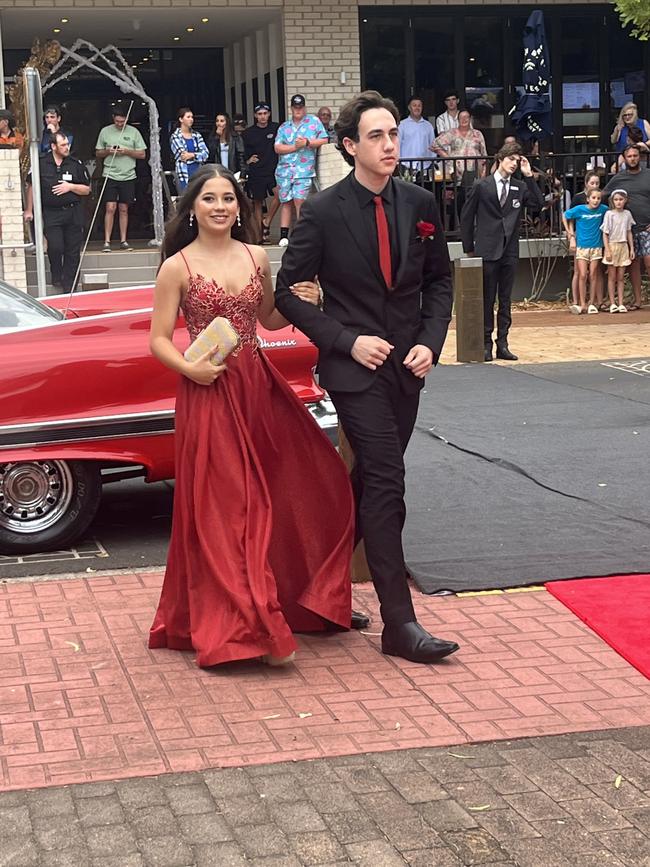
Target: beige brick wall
column 331, row 166
column 11, row 220
column 321, row 41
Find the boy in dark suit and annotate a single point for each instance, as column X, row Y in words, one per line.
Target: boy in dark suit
column 378, row 248
column 489, row 227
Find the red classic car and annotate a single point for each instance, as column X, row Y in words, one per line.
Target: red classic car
column 84, row 403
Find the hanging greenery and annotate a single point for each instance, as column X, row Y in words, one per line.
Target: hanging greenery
column 636, row 13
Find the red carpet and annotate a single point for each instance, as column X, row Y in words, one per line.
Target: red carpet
column 616, row 608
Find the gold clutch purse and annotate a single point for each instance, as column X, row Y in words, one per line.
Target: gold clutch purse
column 219, row 336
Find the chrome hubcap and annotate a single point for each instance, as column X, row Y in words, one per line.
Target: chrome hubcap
column 34, row 494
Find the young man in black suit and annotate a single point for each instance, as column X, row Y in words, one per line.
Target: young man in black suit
column 378, row 248
column 489, row 227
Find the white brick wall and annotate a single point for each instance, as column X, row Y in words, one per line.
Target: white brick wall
column 11, row 220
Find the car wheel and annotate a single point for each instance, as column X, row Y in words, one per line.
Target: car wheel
column 46, row 505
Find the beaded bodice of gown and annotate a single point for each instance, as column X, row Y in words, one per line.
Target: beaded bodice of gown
column 205, row 299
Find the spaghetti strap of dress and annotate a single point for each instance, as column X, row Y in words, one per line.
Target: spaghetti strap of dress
column 255, row 265
column 181, row 254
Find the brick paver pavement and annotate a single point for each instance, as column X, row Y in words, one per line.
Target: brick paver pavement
column 401, row 764
column 566, row 801
column 553, row 336
column 83, row 698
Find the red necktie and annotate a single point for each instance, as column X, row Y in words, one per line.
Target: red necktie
column 383, row 241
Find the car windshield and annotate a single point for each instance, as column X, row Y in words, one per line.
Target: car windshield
column 20, row 310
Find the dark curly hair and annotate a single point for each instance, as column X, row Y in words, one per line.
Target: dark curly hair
column 179, row 233
column 347, row 123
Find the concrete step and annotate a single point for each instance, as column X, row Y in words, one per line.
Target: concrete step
column 134, row 268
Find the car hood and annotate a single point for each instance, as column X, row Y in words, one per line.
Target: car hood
column 140, row 298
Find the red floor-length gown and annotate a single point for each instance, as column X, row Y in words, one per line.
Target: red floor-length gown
column 262, row 528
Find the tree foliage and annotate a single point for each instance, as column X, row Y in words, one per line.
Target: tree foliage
column 636, row 13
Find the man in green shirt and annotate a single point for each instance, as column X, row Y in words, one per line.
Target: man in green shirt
column 119, row 146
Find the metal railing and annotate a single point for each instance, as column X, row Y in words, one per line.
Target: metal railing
column 560, row 177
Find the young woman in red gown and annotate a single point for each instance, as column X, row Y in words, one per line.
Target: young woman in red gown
column 263, row 512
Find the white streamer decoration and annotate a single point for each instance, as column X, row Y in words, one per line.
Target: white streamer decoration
column 121, row 75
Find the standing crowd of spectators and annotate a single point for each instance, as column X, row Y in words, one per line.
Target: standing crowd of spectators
column 273, row 161
column 277, row 165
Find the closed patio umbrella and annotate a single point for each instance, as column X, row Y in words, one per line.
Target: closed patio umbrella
column 531, row 116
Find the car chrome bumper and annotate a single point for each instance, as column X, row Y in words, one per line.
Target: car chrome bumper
column 326, row 418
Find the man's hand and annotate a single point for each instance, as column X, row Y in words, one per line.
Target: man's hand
column 524, row 165
column 419, row 360
column 371, row 352
column 62, row 188
column 300, row 142
column 28, row 216
column 254, row 159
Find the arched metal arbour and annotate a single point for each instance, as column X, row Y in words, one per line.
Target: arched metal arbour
column 121, row 74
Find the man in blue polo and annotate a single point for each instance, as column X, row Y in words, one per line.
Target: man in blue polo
column 416, row 135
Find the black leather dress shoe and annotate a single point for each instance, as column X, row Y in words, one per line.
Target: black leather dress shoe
column 488, row 353
column 359, row 620
column 504, row 353
column 412, row 642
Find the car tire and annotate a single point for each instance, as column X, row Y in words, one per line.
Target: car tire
column 46, row 505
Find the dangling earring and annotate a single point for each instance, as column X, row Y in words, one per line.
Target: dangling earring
column 238, row 220
column 191, row 219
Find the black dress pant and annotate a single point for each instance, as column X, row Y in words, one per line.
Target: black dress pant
column 498, row 280
column 378, row 423
column 64, row 233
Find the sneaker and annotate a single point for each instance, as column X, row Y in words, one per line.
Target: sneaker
column 622, row 308
column 106, row 248
column 576, row 309
column 592, row 309
column 124, row 245
column 283, row 242
column 613, row 308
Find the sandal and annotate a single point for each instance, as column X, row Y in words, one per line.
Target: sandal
column 634, row 307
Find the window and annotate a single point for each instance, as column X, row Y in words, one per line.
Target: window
column 433, row 46
column 384, row 57
column 484, row 77
column 627, row 77
column 580, row 83
column 282, row 109
column 244, row 100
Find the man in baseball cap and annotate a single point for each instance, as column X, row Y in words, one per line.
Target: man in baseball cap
column 261, row 159
column 296, row 143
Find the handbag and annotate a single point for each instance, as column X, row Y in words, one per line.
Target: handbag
column 219, row 337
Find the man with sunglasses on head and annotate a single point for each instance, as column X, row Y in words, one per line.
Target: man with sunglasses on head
column 261, row 159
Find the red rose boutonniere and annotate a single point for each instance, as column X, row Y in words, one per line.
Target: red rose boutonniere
column 425, row 230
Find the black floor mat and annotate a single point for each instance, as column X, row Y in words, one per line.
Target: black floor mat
column 518, row 475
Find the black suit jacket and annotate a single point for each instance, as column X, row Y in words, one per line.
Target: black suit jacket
column 490, row 230
column 329, row 241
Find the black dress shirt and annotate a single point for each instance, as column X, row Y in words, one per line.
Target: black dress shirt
column 367, row 206
column 51, row 174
